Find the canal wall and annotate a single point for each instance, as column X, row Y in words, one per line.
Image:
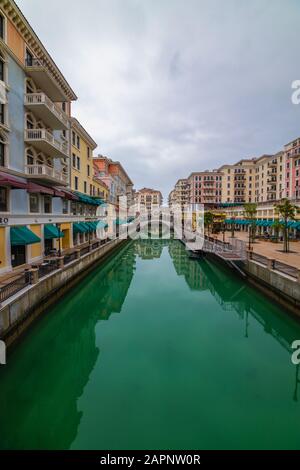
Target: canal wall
column 279, row 286
column 19, row 311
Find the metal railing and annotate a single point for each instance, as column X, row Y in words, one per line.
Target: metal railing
column 43, row 270
column 47, row 268
column 15, row 286
column 259, row 258
column 43, row 134
column 42, row 98
column 69, row 258
column 44, row 170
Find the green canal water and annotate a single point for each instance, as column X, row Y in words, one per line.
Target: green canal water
column 154, row 351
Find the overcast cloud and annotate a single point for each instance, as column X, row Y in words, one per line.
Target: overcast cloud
column 171, row 86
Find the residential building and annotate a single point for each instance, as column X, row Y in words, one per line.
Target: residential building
column 39, row 212
column 148, row 199
column 292, row 169
column 205, row 187
column 116, row 179
column 238, row 181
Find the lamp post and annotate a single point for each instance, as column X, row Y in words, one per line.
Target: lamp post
column 58, row 226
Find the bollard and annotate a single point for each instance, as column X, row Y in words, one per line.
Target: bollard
column 270, row 263
column 34, row 275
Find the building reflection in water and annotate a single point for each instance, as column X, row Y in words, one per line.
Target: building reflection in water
column 64, row 345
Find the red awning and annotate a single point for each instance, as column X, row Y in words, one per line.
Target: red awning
column 58, row 193
column 12, row 181
column 36, row 188
column 70, row 195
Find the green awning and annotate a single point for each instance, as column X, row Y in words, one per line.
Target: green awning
column 51, row 231
column 89, row 200
column 79, row 227
column 23, row 236
column 90, row 226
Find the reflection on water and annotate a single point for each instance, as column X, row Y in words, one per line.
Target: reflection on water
column 137, row 380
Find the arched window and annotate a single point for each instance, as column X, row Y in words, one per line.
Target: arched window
column 29, row 157
column 30, row 86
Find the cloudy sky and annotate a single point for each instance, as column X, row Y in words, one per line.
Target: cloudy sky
column 173, row 86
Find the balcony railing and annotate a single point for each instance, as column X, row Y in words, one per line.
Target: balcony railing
column 44, row 172
column 36, row 99
column 47, row 142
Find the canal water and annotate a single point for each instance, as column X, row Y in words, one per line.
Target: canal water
column 154, row 351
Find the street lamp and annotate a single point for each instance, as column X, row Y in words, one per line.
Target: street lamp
column 58, row 226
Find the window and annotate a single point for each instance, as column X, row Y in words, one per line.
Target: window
column 73, row 138
column 2, row 74
column 2, row 154
column 85, row 187
column 63, row 106
column 88, row 170
column 47, row 204
column 73, row 208
column 28, row 58
column 3, row 199
column 88, row 152
column 2, row 26
column 2, row 116
column 65, row 206
column 74, row 160
column 76, row 182
column 33, row 203
column 78, row 163
column 78, row 142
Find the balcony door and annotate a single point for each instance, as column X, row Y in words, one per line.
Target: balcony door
column 18, row 255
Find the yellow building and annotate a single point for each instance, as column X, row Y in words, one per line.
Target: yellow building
column 82, row 170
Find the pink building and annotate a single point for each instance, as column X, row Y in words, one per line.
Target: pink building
column 205, row 187
column 292, row 169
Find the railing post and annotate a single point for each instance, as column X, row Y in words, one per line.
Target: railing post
column 60, row 262
column 33, row 275
column 249, row 254
column 77, row 253
column 270, row 263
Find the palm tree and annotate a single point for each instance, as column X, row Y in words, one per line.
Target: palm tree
column 287, row 211
column 208, row 220
column 277, row 225
column 250, row 210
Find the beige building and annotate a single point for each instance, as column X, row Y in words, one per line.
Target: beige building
column 148, row 199
column 238, row 181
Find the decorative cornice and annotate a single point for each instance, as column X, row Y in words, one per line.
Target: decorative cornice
column 75, row 124
column 17, row 18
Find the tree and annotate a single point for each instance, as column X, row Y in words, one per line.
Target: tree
column 208, row 220
column 287, row 211
column 277, row 225
column 250, row 210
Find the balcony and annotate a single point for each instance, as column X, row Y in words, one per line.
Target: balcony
column 273, row 164
column 45, row 142
column 48, row 112
column 37, row 70
column 46, row 174
column 272, row 172
column 272, row 189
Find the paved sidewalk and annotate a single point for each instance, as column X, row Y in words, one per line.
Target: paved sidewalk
column 269, row 249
